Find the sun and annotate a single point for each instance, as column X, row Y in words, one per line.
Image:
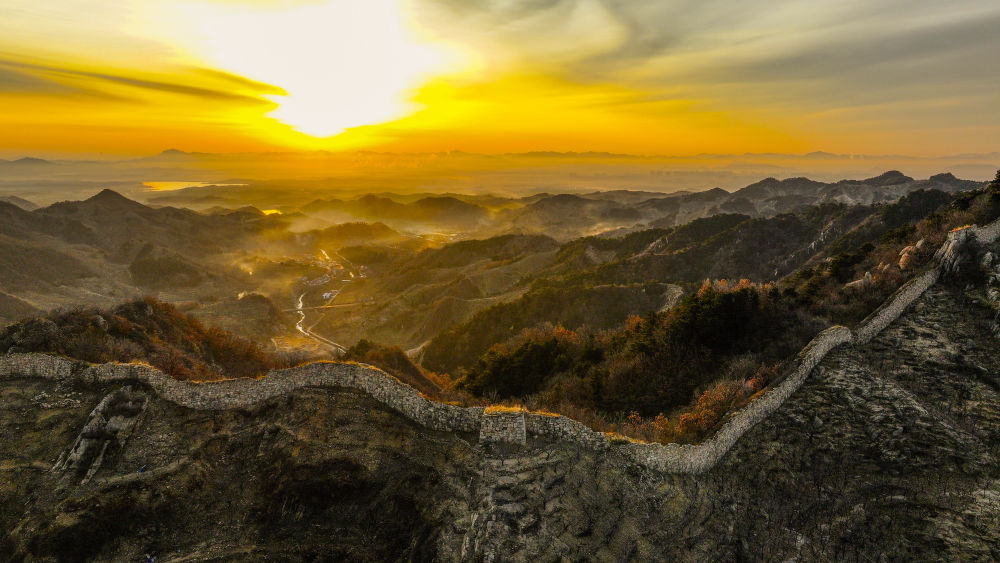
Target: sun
column 342, row 63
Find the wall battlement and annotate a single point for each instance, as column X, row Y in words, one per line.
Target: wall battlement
column 505, row 427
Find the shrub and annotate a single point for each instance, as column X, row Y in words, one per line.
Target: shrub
column 145, row 330
column 394, row 361
column 925, row 214
column 652, row 364
column 518, row 372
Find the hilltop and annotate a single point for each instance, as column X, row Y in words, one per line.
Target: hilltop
column 20, row 202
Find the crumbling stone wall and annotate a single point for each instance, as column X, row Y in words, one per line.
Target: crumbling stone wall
column 694, row 459
column 491, row 427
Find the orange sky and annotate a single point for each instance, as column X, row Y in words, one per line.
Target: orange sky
column 682, row 77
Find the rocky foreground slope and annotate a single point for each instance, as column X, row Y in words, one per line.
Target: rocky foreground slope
column 887, row 451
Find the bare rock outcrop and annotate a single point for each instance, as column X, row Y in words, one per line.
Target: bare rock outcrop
column 959, row 256
column 110, row 424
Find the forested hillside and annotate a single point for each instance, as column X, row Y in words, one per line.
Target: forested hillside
column 673, row 375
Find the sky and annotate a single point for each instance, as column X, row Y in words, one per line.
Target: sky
column 665, row 77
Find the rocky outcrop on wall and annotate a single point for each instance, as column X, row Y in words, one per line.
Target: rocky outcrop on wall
column 987, row 233
column 502, row 427
column 957, row 257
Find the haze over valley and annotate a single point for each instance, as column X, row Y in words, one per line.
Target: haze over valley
column 455, row 253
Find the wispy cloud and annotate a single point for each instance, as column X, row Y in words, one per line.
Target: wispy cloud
column 794, row 59
column 620, row 75
column 16, row 81
column 751, row 40
column 18, row 75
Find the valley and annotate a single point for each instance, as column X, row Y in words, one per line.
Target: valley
column 465, row 285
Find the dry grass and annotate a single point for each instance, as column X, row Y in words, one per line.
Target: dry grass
column 616, row 438
column 497, row 409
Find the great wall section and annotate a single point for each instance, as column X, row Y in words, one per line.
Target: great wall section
column 499, row 425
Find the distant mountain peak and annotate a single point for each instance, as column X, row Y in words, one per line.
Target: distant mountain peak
column 107, row 194
column 945, row 178
column 19, row 202
column 173, row 152
column 372, row 198
column 110, row 198
column 29, row 160
column 248, row 209
column 563, row 198
column 890, row 178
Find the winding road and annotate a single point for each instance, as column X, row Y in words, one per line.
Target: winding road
column 300, row 326
column 301, row 309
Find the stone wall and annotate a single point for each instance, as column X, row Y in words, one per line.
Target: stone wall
column 895, row 305
column 491, row 427
column 245, row 393
column 694, row 459
column 988, row 233
column 557, row 427
column 682, row 458
column 506, row 427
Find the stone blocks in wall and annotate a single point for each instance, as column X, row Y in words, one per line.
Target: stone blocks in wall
column 36, row 365
column 988, row 233
column 503, row 427
column 566, row 429
column 894, row 306
column 246, row 393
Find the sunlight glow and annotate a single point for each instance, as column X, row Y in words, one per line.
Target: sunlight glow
column 175, row 185
column 342, row 63
column 416, row 76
